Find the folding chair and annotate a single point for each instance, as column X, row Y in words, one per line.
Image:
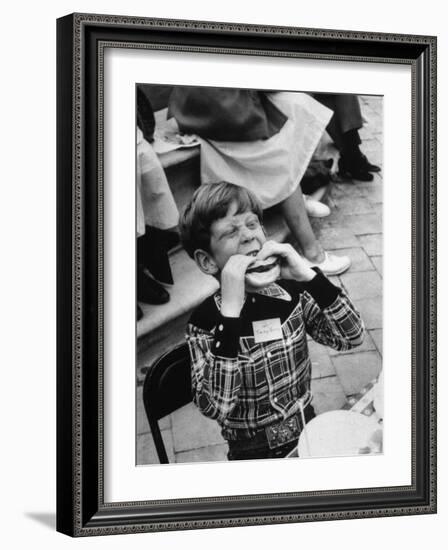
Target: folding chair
column 167, row 387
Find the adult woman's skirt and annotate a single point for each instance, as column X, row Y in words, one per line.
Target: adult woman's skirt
column 270, row 168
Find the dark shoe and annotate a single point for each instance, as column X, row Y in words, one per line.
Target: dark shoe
column 368, row 166
column 149, row 291
column 353, row 169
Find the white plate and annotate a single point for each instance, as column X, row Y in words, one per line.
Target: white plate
column 378, row 400
column 337, row 433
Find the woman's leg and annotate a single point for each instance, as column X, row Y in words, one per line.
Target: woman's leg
column 293, row 209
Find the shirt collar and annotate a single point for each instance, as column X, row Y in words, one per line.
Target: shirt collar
column 272, row 291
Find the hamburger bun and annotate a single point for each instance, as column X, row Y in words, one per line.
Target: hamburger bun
column 263, row 272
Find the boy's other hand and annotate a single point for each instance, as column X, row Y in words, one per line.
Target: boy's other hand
column 233, row 284
column 292, row 265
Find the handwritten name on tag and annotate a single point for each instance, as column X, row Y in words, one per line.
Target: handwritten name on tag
column 266, row 330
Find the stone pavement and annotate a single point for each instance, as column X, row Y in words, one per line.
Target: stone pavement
column 353, row 228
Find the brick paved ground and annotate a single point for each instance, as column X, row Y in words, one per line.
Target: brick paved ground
column 354, row 228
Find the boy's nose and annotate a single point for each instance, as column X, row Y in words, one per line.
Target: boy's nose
column 246, row 234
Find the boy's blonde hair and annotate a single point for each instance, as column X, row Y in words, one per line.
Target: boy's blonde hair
column 209, row 203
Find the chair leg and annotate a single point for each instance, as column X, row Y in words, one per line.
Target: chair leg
column 158, row 442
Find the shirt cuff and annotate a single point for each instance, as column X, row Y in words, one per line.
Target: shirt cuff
column 227, row 336
column 321, row 289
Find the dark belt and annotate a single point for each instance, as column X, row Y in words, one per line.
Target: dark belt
column 276, row 435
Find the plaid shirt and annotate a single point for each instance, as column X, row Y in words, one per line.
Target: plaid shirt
column 247, row 385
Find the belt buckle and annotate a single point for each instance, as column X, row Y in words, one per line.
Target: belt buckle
column 283, row 432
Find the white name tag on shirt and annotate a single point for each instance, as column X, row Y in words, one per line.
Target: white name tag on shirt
column 268, row 329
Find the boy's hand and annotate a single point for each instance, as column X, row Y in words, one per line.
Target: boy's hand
column 292, row 265
column 233, row 284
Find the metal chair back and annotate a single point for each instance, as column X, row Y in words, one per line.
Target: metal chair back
column 167, row 387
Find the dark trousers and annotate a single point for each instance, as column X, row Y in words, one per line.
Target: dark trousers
column 346, row 119
column 152, row 253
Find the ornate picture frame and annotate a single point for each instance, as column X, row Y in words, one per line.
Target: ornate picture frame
column 81, row 42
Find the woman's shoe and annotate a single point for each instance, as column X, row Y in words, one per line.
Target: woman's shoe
column 316, row 209
column 331, row 264
column 139, row 313
column 368, row 166
column 355, row 169
column 149, row 291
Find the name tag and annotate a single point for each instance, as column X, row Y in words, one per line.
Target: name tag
column 268, row 329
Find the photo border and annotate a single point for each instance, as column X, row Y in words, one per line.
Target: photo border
column 81, row 40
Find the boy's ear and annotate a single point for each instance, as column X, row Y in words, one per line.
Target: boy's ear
column 205, row 262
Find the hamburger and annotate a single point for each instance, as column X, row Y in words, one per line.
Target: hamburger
column 263, row 272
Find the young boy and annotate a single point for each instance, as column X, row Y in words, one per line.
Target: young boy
column 250, row 365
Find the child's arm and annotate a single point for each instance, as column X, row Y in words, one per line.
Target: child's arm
column 330, row 316
column 216, row 377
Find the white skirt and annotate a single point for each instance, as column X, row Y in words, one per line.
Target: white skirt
column 271, row 168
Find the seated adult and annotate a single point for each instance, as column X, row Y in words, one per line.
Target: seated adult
column 157, row 214
column 343, row 129
column 263, row 141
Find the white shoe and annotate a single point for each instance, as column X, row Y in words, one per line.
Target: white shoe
column 316, row 209
column 332, row 265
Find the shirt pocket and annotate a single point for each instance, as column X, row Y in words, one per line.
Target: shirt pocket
column 253, row 376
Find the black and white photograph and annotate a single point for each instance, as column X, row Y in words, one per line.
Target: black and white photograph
column 259, row 283
column 223, row 275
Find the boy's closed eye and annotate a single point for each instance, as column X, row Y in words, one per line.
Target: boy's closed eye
column 229, row 233
column 232, row 231
column 253, row 224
